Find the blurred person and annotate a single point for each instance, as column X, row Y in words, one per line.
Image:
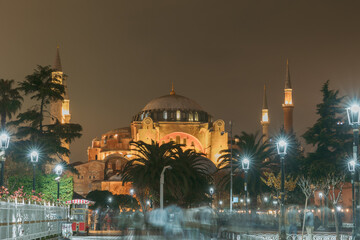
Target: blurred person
column 309, row 223
column 292, row 219
column 138, row 222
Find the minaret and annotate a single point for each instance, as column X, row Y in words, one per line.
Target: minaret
column 60, row 110
column 288, row 105
column 265, row 120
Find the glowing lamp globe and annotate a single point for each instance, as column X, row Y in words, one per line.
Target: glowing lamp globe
column 34, row 156
column 353, row 114
column 211, row 191
column 351, row 166
column 4, row 141
column 281, row 146
column 245, row 164
column 58, row 170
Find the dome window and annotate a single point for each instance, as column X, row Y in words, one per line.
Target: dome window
column 142, row 116
column 147, row 114
column 178, row 115
column 165, row 115
column 196, row 116
column 191, row 117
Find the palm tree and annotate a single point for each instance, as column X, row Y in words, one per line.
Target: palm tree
column 41, row 87
column 145, row 169
column 193, row 171
column 252, row 147
column 10, row 100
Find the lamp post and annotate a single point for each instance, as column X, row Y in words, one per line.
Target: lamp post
column 353, row 114
column 58, row 171
column 281, row 148
column 34, row 158
column 321, row 207
column 4, row 144
column 132, row 191
column 162, row 186
column 245, row 164
column 352, row 169
column 211, row 191
column 231, row 166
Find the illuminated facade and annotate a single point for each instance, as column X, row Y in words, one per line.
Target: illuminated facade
column 168, row 118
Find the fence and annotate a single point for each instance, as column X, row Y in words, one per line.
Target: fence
column 269, row 236
column 30, row 221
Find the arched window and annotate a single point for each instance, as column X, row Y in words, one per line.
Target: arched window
column 191, row 117
column 147, row 114
column 178, row 115
column 177, row 139
column 196, row 116
column 96, row 157
column 165, row 115
column 142, row 116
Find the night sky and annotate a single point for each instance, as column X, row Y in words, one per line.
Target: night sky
column 121, row 54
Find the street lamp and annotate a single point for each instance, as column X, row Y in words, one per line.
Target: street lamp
column 4, row 144
column 352, row 169
column 353, row 113
column 34, row 158
column 211, row 191
column 231, row 166
column 245, row 163
column 162, row 186
column 281, row 149
column 322, row 208
column 132, row 191
column 58, row 171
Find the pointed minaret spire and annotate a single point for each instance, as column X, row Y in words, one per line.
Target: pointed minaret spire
column 172, row 89
column 288, row 104
column 265, row 120
column 265, row 105
column 287, row 76
column 57, row 64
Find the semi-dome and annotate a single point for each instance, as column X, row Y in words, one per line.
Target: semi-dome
column 173, row 107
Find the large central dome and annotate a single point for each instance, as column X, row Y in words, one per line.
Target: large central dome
column 172, row 102
column 173, row 107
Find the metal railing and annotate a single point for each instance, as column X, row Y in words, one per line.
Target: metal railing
column 270, row 236
column 19, row 220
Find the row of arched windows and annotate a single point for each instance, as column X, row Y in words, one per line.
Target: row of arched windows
column 177, row 115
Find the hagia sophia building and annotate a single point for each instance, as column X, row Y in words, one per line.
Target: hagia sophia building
column 171, row 117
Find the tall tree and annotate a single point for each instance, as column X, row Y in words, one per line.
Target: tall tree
column 32, row 128
column 193, row 171
column 252, row 147
column 329, row 136
column 10, row 100
column 145, row 169
column 43, row 89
